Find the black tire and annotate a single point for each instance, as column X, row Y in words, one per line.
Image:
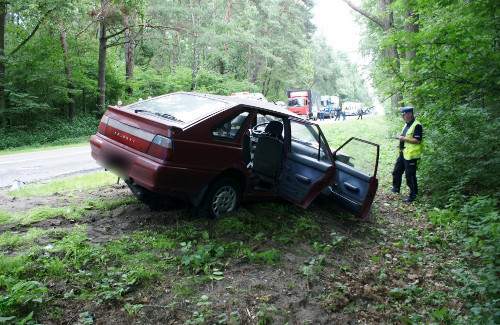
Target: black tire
column 223, row 196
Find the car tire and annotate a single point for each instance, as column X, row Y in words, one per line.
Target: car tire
column 223, row 196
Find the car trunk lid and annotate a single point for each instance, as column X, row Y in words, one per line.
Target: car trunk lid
column 136, row 130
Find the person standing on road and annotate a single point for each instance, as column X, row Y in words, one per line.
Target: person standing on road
column 315, row 112
column 410, row 151
column 360, row 113
column 321, row 113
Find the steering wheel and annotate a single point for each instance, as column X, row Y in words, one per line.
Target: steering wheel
column 259, row 129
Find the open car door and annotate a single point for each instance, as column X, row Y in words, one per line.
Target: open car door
column 308, row 167
column 356, row 163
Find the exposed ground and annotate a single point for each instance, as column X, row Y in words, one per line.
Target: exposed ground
column 314, row 266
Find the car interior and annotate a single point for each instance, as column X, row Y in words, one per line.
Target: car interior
column 268, row 156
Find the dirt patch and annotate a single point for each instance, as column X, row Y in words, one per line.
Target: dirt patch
column 353, row 274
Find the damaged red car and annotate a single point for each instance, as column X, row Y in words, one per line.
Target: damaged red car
column 215, row 151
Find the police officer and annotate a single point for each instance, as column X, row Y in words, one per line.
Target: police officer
column 410, row 151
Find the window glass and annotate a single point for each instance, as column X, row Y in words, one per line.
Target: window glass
column 305, row 140
column 360, row 155
column 263, row 120
column 179, row 107
column 297, row 102
column 230, row 128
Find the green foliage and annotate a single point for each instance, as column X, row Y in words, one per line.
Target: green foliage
column 460, row 152
column 259, row 48
column 201, row 257
column 475, row 224
column 150, row 82
column 56, row 132
column 448, row 69
column 19, row 297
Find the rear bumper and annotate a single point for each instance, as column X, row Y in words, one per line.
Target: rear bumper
column 154, row 176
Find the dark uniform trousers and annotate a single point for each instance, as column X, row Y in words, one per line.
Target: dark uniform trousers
column 409, row 167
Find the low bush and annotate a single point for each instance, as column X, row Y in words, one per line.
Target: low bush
column 59, row 131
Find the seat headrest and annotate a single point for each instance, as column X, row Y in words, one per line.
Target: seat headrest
column 275, row 128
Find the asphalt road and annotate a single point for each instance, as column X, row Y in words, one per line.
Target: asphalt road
column 31, row 167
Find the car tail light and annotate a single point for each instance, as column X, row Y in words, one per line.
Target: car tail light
column 161, row 147
column 103, row 124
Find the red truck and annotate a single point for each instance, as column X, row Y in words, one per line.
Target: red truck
column 302, row 102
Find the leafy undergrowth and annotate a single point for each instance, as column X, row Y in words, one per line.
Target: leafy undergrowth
column 107, row 259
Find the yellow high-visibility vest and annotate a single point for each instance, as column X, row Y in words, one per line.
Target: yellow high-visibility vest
column 412, row 151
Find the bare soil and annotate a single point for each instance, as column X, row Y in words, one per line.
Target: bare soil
column 354, row 283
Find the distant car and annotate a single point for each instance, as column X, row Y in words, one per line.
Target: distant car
column 281, row 103
column 246, row 94
column 215, row 151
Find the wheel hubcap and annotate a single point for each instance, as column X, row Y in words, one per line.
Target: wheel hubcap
column 224, row 200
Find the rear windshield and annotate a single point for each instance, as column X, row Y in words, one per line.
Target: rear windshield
column 182, row 108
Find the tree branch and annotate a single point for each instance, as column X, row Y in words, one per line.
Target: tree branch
column 85, row 28
column 148, row 25
column 117, row 33
column 32, row 33
column 365, row 13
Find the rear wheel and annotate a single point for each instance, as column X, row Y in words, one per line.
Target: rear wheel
column 222, row 197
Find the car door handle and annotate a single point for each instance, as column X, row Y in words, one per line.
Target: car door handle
column 303, row 179
column 351, row 187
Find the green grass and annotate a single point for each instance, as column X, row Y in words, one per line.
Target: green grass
column 72, row 212
column 35, row 215
column 15, row 240
column 83, row 182
column 186, row 256
column 78, row 142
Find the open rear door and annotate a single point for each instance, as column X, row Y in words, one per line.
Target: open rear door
column 308, row 167
column 356, row 163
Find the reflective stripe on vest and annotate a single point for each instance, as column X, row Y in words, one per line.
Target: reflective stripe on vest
column 412, row 151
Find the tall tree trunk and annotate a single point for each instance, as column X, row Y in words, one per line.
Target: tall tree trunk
column 130, row 34
column 386, row 22
column 195, row 48
column 256, row 69
column 69, row 74
column 411, row 26
column 222, row 61
column 177, row 51
column 249, row 61
column 267, row 31
column 101, row 71
column 228, row 20
column 3, row 23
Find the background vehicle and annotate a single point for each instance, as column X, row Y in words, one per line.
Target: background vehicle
column 301, row 102
column 246, row 94
column 215, row 151
column 330, row 103
column 351, row 108
column 325, row 105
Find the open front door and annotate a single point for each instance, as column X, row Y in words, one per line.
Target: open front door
column 308, row 166
column 356, row 163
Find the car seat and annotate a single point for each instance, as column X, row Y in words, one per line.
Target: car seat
column 274, row 129
column 268, row 155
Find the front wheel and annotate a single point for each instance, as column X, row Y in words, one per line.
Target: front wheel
column 223, row 196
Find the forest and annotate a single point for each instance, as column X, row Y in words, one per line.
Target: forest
column 89, row 54
column 63, row 61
